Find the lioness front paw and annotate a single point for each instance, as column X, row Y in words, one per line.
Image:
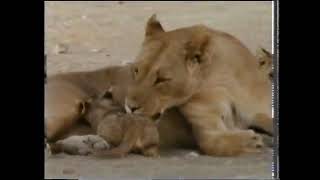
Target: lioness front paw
column 151, row 152
column 253, row 142
column 74, row 145
column 96, row 142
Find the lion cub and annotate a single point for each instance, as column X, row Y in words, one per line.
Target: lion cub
column 265, row 61
column 124, row 132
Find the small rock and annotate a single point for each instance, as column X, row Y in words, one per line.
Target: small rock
column 67, row 24
column 192, row 155
column 61, row 49
column 174, row 158
column 125, row 62
column 68, row 171
column 84, row 17
column 120, row 2
column 95, row 50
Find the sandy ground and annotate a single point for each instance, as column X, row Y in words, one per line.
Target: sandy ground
column 171, row 164
column 98, row 34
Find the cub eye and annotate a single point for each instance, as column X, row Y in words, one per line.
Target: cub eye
column 262, row 63
column 271, row 76
column 108, row 95
column 161, row 80
column 196, row 59
column 136, row 70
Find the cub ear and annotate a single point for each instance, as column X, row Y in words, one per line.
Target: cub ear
column 84, row 106
column 153, row 26
column 261, row 53
column 264, row 57
column 266, row 53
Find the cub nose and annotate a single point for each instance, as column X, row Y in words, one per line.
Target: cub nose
column 134, row 108
column 130, row 106
column 131, row 109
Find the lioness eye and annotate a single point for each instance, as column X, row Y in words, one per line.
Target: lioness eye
column 161, row 80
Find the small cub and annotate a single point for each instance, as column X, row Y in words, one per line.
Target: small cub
column 125, row 132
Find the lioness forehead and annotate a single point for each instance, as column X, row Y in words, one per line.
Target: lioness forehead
column 154, row 46
column 180, row 34
column 160, row 50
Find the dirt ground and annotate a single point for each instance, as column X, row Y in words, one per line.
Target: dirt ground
column 98, row 34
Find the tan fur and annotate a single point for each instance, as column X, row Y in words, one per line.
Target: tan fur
column 213, row 79
column 66, row 93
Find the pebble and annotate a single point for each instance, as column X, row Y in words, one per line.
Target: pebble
column 174, row 158
column 125, row 62
column 68, row 171
column 95, row 50
column 61, row 49
column 192, row 155
column 84, row 17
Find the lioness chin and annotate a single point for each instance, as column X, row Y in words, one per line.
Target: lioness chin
column 212, row 78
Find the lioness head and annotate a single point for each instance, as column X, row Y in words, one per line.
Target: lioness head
column 157, row 85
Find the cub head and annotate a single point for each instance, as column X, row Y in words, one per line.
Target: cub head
column 169, row 68
column 98, row 106
column 265, row 61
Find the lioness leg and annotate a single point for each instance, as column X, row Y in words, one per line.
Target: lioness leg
column 63, row 125
column 78, row 145
column 214, row 128
column 228, row 143
column 263, row 122
column 63, row 108
column 72, row 148
column 79, row 129
column 80, row 140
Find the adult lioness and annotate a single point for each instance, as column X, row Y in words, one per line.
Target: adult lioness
column 213, row 79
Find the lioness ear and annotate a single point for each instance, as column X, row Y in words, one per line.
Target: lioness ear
column 153, row 26
column 196, row 48
column 196, row 56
